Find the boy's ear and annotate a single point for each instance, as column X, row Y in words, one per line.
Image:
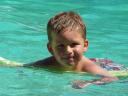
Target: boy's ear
column 85, row 45
column 49, row 47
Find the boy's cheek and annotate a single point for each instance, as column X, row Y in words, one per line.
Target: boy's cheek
column 58, row 53
column 85, row 49
column 81, row 50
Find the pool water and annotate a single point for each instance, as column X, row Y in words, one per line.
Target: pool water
column 23, row 38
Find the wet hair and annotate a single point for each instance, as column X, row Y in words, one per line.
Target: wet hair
column 63, row 21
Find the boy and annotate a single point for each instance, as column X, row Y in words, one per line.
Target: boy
column 67, row 43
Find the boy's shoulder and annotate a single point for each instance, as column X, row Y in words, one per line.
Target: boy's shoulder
column 50, row 61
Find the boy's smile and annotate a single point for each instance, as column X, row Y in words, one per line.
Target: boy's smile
column 68, row 47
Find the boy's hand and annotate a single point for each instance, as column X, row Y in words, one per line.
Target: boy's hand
column 104, row 80
column 78, row 84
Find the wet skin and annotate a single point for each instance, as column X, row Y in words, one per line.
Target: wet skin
column 68, row 47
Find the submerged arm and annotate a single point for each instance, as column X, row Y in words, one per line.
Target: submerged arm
column 91, row 67
column 78, row 84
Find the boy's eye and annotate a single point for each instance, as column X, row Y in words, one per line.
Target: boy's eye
column 60, row 46
column 74, row 44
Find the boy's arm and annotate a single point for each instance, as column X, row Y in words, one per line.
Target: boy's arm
column 9, row 63
column 47, row 62
column 91, row 67
column 95, row 69
column 78, row 84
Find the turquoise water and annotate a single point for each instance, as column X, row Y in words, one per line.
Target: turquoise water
column 23, row 38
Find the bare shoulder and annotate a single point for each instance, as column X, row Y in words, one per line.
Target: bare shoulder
column 88, row 63
column 42, row 63
column 92, row 67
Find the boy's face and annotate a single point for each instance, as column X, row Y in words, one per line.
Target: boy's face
column 68, row 47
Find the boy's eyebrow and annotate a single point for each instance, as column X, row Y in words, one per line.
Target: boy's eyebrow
column 71, row 41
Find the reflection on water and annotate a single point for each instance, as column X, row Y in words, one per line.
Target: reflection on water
column 33, row 81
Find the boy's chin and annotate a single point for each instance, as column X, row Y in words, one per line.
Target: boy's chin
column 71, row 64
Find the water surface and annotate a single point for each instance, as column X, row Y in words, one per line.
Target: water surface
column 23, row 38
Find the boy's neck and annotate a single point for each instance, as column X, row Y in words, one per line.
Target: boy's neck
column 58, row 65
column 77, row 68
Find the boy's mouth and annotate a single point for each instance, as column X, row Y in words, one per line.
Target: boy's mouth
column 69, row 58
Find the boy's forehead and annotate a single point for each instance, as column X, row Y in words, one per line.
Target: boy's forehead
column 67, row 31
column 67, row 35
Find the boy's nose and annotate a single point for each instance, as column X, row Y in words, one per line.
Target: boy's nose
column 68, row 50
